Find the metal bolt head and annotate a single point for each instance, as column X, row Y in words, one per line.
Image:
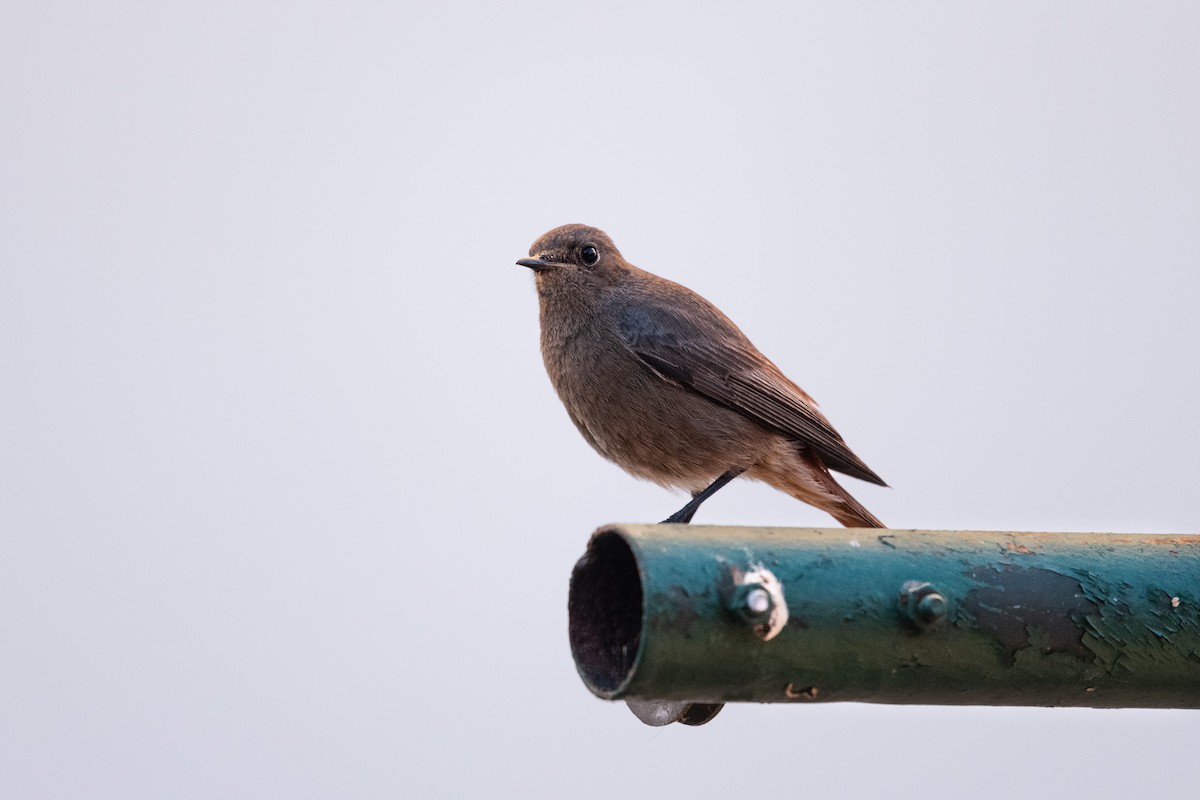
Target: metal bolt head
column 755, row 598
column 931, row 608
column 752, row 602
column 922, row 604
column 758, row 600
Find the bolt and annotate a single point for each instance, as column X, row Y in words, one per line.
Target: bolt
column 922, row 604
column 755, row 598
column 752, row 602
column 931, row 608
column 758, row 600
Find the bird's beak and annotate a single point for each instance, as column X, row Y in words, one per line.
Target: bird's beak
column 537, row 264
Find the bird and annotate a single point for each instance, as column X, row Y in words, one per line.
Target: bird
column 659, row 381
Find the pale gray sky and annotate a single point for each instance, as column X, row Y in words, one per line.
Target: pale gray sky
column 289, row 505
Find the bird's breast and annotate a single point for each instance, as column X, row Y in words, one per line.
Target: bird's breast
column 651, row 427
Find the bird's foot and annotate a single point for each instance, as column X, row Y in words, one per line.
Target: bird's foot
column 683, row 516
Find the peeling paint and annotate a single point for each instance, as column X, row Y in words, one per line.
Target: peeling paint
column 807, row 693
column 1048, row 616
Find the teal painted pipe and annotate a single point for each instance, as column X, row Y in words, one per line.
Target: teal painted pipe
column 708, row 615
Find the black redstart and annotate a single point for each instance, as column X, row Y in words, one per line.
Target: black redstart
column 659, row 381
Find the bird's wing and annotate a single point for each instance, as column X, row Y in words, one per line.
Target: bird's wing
column 704, row 351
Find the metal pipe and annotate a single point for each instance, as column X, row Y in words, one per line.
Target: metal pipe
column 706, row 615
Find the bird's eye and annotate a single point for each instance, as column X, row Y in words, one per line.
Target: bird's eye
column 590, row 255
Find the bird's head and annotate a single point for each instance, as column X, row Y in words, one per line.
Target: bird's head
column 574, row 254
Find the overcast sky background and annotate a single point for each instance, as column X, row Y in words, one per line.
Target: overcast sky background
column 289, row 505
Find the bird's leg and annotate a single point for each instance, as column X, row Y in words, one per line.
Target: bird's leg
column 685, row 514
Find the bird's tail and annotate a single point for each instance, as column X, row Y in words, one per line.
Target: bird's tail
column 852, row 513
column 804, row 477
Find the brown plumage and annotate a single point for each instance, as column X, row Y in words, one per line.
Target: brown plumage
column 659, row 381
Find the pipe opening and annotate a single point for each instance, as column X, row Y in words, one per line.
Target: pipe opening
column 605, row 613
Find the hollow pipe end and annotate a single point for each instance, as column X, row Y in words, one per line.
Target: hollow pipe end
column 606, row 614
